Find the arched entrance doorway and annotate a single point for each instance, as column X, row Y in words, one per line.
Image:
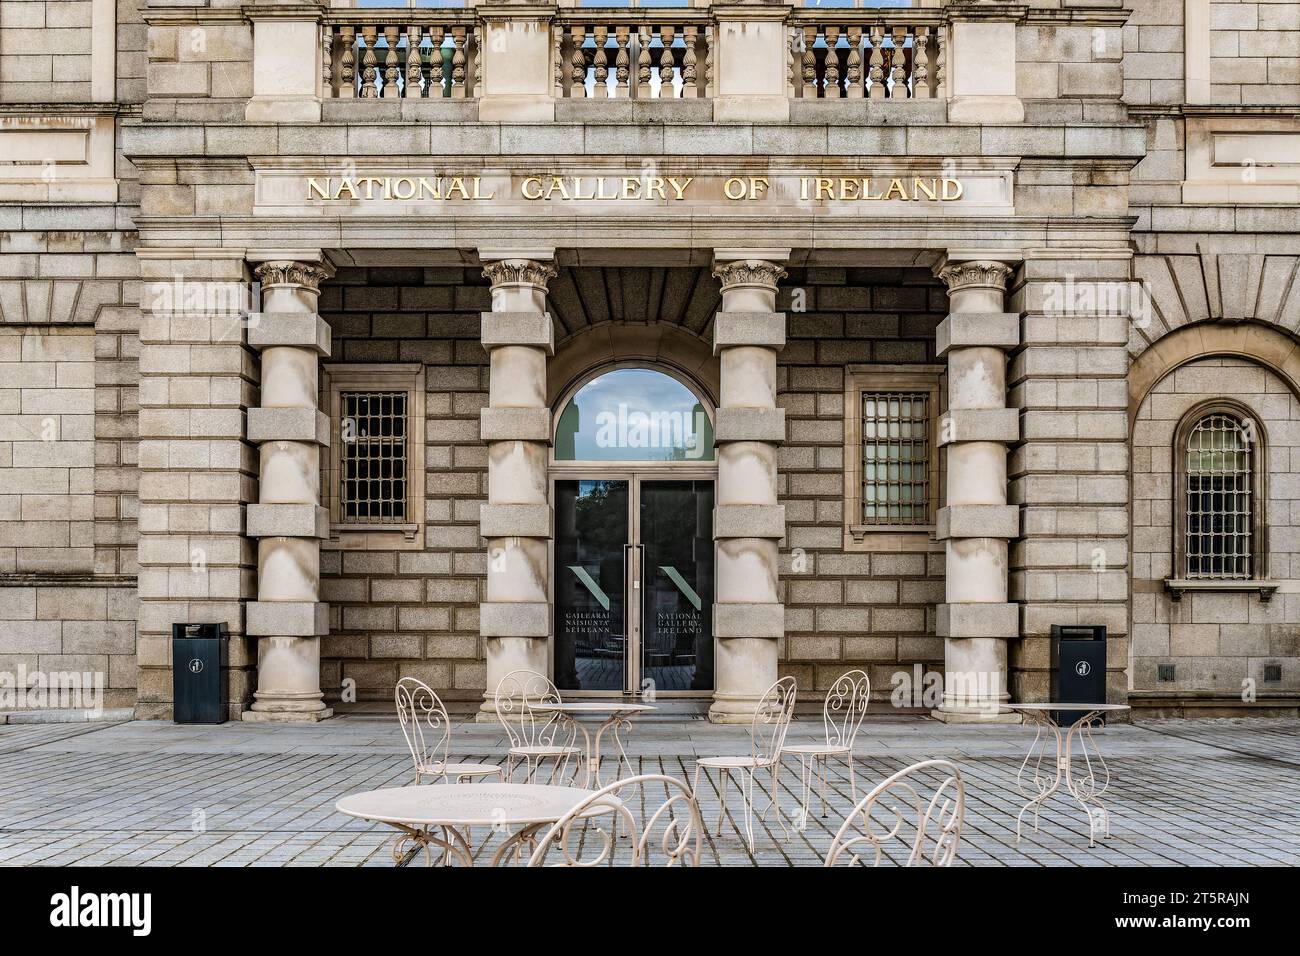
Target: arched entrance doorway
column 632, row 475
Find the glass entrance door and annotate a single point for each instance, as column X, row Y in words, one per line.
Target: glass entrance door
column 634, row 585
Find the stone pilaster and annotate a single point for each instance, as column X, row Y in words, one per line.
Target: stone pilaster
column 1069, row 474
column 515, row 617
column 197, row 474
column 288, row 520
column 976, row 619
column 748, row 524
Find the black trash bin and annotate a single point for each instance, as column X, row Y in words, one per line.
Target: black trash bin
column 200, row 674
column 1078, row 667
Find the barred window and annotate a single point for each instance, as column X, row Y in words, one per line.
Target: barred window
column 1220, row 502
column 372, row 471
column 895, row 458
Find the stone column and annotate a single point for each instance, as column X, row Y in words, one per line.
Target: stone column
column 976, row 620
column 748, row 617
column 288, row 520
column 515, row 617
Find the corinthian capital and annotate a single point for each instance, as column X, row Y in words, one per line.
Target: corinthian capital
column 749, row 272
column 976, row 274
column 508, row 272
column 308, row 275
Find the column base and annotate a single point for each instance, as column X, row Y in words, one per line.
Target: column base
column 286, row 716
column 977, row 716
column 733, row 710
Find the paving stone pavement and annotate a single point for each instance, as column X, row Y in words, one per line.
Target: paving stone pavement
column 1207, row 792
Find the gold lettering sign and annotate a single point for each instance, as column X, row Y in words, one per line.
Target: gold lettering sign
column 669, row 189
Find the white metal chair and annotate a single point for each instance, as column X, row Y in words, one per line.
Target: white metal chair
column 427, row 729
column 883, row 815
column 535, row 736
column 842, row 713
column 766, row 740
column 669, row 833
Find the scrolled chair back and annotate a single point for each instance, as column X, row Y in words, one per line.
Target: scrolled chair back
column 648, row 820
column 425, row 723
column 515, row 699
column 845, row 707
column 896, row 810
column 771, row 721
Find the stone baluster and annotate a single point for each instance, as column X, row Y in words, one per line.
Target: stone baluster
column 478, row 61
column 414, row 65
column 643, row 61
column 748, row 617
column 710, row 42
column 600, row 62
column 578, row 63
column 515, row 618
column 921, row 63
column 941, row 61
column 437, row 77
column 976, row 619
column 288, row 520
column 809, row 64
column 458, row 63
column 898, row 64
column 690, row 79
column 666, row 62
column 369, row 71
column 327, row 60
column 853, row 66
column 557, row 60
column 392, row 67
column 795, row 52
column 622, row 70
column 876, row 65
column 348, row 63
column 832, row 63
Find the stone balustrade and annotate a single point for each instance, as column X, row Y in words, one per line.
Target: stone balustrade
column 637, row 54
column 855, row 54
column 410, row 54
column 633, row 53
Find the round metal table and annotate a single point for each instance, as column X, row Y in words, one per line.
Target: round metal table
column 454, row 808
column 1086, row 788
column 617, row 722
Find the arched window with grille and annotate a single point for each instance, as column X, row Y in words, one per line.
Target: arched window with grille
column 1219, row 497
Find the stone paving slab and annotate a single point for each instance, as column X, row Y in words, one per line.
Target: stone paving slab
column 1209, row 792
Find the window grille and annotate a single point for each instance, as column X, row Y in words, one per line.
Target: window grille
column 895, row 458
column 373, row 453
column 1218, row 541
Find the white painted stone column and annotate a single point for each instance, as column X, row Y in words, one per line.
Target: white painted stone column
column 288, row 520
column 977, row 620
column 515, row 618
column 748, row 524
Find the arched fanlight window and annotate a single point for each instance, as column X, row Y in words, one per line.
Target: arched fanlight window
column 1220, row 499
column 634, row 414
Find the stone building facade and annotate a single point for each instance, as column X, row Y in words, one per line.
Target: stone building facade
column 307, row 312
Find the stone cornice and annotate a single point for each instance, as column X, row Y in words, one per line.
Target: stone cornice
column 165, row 16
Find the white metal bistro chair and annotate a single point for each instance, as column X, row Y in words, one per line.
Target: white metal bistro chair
column 534, row 736
column 842, row 713
column 427, row 729
column 929, row 829
column 766, row 740
column 603, row 830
